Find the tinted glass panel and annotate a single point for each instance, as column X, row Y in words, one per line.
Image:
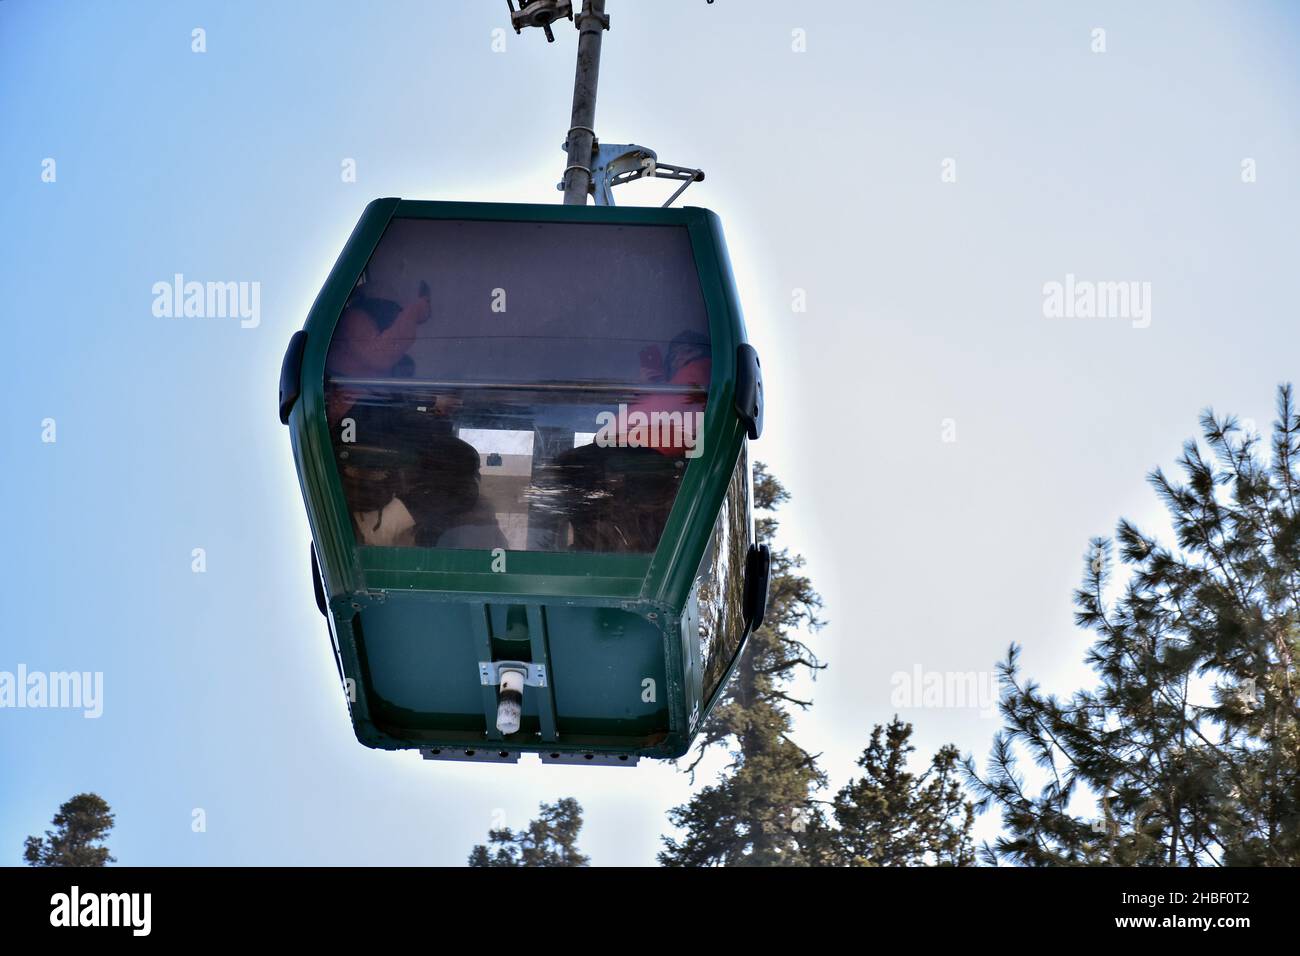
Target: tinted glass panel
column 483, row 393
column 522, row 302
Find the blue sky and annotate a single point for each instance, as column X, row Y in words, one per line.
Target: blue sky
column 924, row 304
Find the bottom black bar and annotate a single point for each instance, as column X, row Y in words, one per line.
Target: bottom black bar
column 213, row 905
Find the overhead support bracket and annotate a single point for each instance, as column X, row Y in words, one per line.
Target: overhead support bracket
column 539, row 13
column 617, row 163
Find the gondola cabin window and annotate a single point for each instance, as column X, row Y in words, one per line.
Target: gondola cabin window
column 528, row 386
column 720, row 581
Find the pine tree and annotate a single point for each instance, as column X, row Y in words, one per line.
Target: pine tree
column 1180, row 776
column 892, row 817
column 550, row 840
column 760, row 812
column 80, row 827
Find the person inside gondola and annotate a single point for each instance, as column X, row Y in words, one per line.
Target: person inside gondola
column 372, row 477
column 408, row 480
column 620, row 494
column 414, row 483
column 688, row 365
column 442, row 494
column 372, row 340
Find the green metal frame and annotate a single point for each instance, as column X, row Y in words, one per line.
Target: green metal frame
column 656, row 587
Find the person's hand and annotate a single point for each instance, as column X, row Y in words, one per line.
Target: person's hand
column 424, row 296
column 652, row 364
column 447, row 405
column 418, row 311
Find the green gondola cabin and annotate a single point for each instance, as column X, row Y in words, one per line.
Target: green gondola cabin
column 521, row 433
